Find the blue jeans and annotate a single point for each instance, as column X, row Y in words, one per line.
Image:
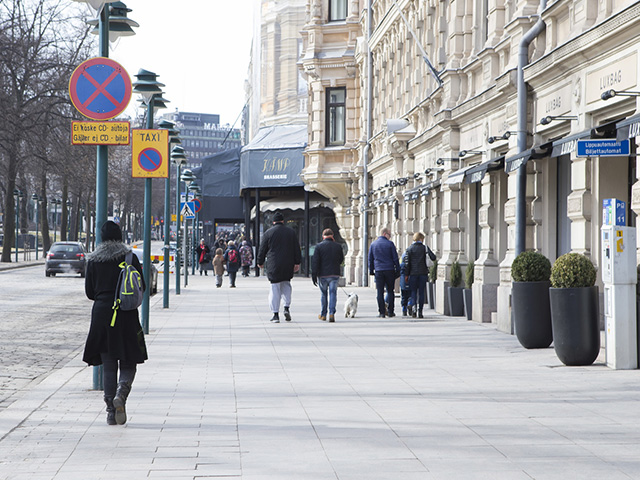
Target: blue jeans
column 385, row 279
column 328, row 284
column 417, row 284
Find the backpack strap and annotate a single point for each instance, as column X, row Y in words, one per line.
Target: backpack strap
column 116, row 301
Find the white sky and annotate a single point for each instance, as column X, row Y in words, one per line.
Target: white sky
column 199, row 48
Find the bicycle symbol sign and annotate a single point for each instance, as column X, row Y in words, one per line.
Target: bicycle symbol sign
column 100, row 88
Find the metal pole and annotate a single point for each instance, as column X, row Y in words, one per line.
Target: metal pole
column 146, row 249
column 185, row 240
column 55, row 221
column 194, row 244
column 178, row 229
column 17, row 224
column 307, row 230
column 167, row 224
column 257, row 226
column 36, row 208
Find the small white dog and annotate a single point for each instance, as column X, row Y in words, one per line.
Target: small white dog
column 351, row 306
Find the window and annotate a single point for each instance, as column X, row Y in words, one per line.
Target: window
column 335, row 124
column 337, row 10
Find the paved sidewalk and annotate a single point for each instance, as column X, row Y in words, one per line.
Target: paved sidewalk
column 228, row 395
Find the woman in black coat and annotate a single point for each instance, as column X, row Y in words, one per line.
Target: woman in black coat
column 416, row 272
column 232, row 266
column 121, row 345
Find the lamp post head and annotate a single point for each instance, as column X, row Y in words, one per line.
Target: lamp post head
column 95, row 4
column 147, row 85
column 178, row 156
column 119, row 24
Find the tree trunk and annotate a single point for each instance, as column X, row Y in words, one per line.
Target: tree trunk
column 64, row 211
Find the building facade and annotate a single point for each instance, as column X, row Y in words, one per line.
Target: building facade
column 202, row 135
column 461, row 120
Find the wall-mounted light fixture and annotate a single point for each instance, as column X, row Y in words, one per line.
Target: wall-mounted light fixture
column 441, row 160
column 550, row 118
column 614, row 93
column 433, row 170
column 464, row 153
column 504, row 136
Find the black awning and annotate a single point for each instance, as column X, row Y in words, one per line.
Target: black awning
column 516, row 161
column 628, row 128
column 567, row 145
column 430, row 186
column 477, row 172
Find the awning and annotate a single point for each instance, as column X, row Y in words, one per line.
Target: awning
column 516, row 161
column 430, row 186
column 628, row 128
column 567, row 145
column 477, row 172
column 457, row 176
column 292, row 203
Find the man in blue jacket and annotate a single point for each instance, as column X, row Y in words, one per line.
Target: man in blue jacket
column 384, row 264
column 325, row 268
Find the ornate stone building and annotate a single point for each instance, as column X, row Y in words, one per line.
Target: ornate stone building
column 466, row 128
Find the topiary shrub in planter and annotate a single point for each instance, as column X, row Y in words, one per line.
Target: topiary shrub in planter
column 531, row 312
column 466, row 293
column 456, row 305
column 574, row 310
column 431, row 284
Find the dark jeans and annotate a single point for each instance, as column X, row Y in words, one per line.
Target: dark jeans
column 232, row 278
column 406, row 295
column 110, row 375
column 385, row 279
column 417, row 284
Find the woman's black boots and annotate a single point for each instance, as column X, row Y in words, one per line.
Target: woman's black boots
column 111, row 411
column 119, row 402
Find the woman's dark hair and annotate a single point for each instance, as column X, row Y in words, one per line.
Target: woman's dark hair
column 111, row 231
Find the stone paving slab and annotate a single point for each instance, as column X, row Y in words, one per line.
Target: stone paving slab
column 228, row 395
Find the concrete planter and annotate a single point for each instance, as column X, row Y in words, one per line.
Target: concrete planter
column 574, row 318
column 456, row 305
column 532, row 313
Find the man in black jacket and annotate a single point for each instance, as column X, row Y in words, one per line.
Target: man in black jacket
column 280, row 248
column 325, row 268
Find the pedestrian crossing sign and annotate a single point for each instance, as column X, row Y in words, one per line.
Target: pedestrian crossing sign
column 188, row 210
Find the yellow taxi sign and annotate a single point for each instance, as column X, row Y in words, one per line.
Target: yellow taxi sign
column 100, row 133
column 149, row 153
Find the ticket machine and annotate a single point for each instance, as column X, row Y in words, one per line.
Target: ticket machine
column 619, row 277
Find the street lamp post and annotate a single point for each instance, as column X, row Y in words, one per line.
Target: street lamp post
column 36, row 206
column 55, row 202
column 179, row 158
column 188, row 178
column 173, row 134
column 16, row 196
column 147, row 86
column 195, row 188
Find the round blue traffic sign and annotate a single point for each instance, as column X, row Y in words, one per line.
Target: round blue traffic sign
column 100, row 88
column 150, row 159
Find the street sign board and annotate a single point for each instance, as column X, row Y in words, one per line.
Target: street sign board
column 605, row 147
column 187, row 210
column 149, row 153
column 100, row 133
column 198, row 204
column 100, row 88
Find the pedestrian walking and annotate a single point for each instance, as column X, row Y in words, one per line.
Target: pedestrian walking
column 120, row 346
column 281, row 251
column 232, row 257
column 405, row 291
column 384, row 265
column 218, row 266
column 325, row 271
column 246, row 257
column 204, row 258
column 417, row 271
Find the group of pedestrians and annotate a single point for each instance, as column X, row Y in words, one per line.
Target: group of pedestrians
column 231, row 259
column 413, row 272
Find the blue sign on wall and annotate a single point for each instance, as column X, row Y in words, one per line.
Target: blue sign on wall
column 606, row 147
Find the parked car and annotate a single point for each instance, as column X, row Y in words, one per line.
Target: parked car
column 65, row 257
column 154, row 272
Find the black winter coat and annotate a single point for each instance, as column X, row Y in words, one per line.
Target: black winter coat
column 280, row 248
column 125, row 340
column 417, row 259
column 326, row 261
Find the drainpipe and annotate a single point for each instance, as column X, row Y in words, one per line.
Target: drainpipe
column 365, row 154
column 521, row 175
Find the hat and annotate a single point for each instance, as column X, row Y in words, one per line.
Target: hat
column 278, row 217
column 110, row 231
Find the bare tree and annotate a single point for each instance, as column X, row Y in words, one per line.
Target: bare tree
column 41, row 43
